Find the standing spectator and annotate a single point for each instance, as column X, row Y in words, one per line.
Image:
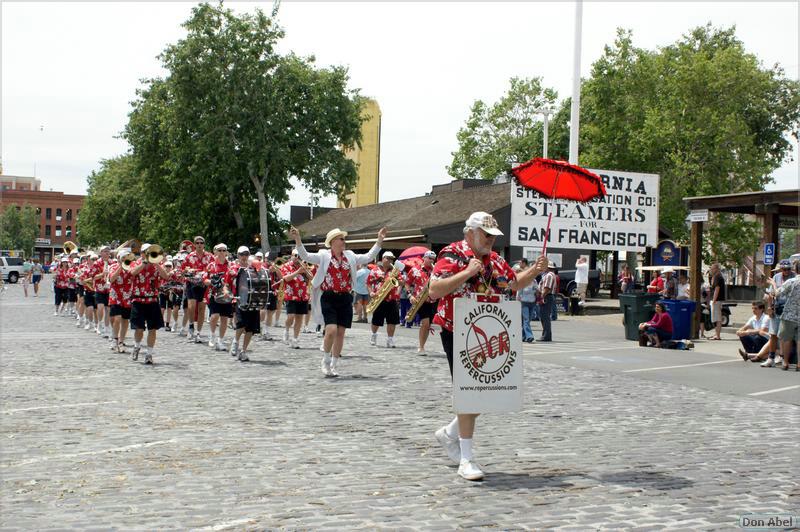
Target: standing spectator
column 755, row 333
column 362, row 293
column 547, row 286
column 626, row 280
column 556, row 290
column 705, row 305
column 683, row 287
column 790, row 314
column 670, row 290
column 784, row 274
column 27, row 265
column 36, row 276
column 527, row 299
column 717, row 297
column 582, row 278
column 656, row 286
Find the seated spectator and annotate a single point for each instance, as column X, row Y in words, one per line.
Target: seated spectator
column 789, row 291
column 683, row 287
column 754, row 334
column 659, row 328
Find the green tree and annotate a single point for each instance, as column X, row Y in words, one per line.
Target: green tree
column 218, row 139
column 702, row 112
column 729, row 238
column 508, row 131
column 19, row 228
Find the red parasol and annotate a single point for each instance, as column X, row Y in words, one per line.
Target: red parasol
column 558, row 180
column 413, row 251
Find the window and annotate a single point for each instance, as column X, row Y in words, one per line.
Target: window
column 46, row 230
column 58, row 230
column 48, row 213
column 69, row 214
column 69, row 230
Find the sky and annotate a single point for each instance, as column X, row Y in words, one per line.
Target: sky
column 70, row 70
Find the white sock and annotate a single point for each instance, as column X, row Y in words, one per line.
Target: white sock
column 328, row 358
column 138, row 344
column 452, row 429
column 334, row 360
column 466, row 448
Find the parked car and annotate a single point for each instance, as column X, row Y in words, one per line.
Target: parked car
column 11, row 268
column 569, row 287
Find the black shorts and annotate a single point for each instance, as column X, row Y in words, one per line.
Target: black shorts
column 101, row 298
column 72, row 296
column 119, row 310
column 223, row 309
column 447, row 344
column 272, row 301
column 198, row 293
column 61, row 294
column 146, row 316
column 80, row 291
column 163, row 301
column 427, row 310
column 387, row 310
column 337, row 308
column 88, row 299
column 297, row 307
column 249, row 320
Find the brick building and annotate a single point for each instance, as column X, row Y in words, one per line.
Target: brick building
column 58, row 212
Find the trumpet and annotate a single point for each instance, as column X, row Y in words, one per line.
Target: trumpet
column 127, row 261
column 154, row 254
column 69, row 247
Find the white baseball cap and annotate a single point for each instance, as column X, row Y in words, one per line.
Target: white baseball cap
column 430, row 254
column 485, row 221
column 259, row 254
column 244, row 249
column 388, row 254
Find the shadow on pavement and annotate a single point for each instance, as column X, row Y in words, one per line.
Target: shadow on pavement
column 266, row 362
column 647, row 479
column 515, row 481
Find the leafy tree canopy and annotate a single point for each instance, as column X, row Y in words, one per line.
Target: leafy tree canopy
column 19, row 227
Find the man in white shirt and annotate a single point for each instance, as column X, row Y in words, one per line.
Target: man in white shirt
column 582, row 277
column 755, row 333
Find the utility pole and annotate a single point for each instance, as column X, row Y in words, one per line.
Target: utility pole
column 575, row 111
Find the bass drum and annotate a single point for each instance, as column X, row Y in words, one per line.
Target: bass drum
column 252, row 288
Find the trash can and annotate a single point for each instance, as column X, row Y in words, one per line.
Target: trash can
column 681, row 313
column 636, row 308
column 575, row 306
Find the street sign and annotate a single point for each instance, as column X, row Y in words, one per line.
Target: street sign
column 700, row 215
column 769, row 254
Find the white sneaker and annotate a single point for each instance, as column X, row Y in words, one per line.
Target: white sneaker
column 390, row 341
column 286, row 336
column 294, row 344
column 105, row 333
column 234, row 349
column 769, row 363
column 243, row 357
column 334, row 363
column 325, row 366
column 220, row 345
column 88, row 327
column 55, row 313
column 135, row 352
column 305, row 330
column 778, row 360
column 197, row 338
column 182, row 331
column 78, row 324
column 212, row 342
column 451, row 445
column 420, row 351
column 148, row 359
column 470, row 470
column 373, row 339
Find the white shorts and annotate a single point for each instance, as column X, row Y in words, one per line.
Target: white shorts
column 716, row 311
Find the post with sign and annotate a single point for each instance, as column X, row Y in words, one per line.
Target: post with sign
column 487, row 356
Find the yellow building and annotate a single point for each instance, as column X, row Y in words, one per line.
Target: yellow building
column 368, row 159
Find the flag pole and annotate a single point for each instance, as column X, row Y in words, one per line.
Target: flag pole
column 575, row 110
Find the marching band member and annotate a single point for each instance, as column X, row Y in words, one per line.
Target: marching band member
column 332, row 288
column 61, row 286
column 418, row 280
column 145, row 312
column 268, row 314
column 87, row 280
column 171, row 301
column 72, row 289
column 119, row 298
column 218, row 273
column 197, row 262
column 295, row 280
column 82, row 318
column 313, row 271
column 388, row 310
column 99, row 272
column 248, row 322
column 463, row 268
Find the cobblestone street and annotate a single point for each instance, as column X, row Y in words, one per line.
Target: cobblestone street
column 91, row 439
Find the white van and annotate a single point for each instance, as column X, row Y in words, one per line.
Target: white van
column 11, row 268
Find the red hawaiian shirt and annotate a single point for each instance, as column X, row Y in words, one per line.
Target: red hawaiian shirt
column 120, row 293
column 62, row 278
column 144, row 285
column 418, row 279
column 454, row 259
column 337, row 278
column 296, row 288
column 224, row 270
column 100, row 284
column 85, row 274
column 73, row 276
column 198, row 263
column 375, row 280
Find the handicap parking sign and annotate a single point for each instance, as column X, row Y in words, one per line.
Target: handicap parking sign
column 769, row 254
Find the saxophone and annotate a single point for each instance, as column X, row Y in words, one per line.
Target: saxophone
column 423, row 297
column 388, row 285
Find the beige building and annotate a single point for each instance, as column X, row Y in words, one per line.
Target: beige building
column 368, row 159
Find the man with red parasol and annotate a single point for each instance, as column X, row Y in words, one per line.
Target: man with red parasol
column 462, row 269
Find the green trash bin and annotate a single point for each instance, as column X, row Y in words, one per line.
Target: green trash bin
column 636, row 308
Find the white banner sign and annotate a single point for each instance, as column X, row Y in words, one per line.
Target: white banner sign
column 487, row 356
column 626, row 218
